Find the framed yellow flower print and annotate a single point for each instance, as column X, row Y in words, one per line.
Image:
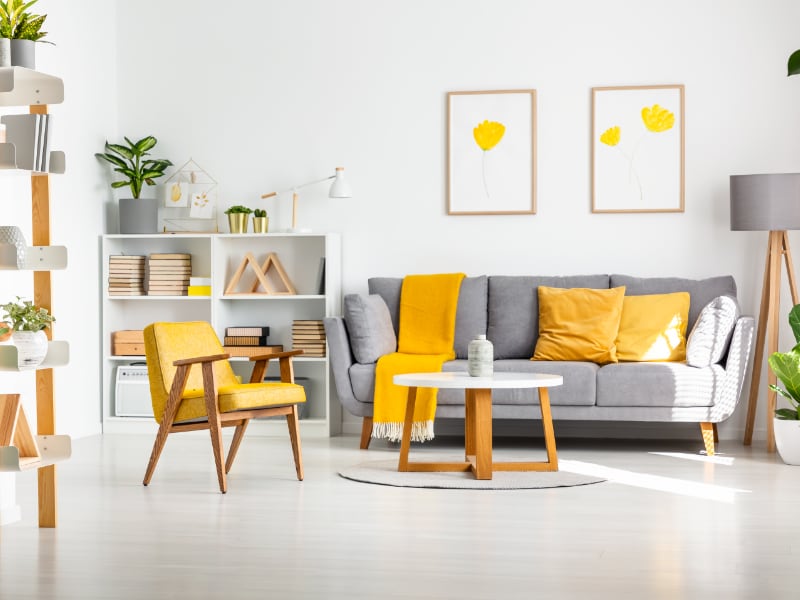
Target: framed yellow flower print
column 491, row 152
column 638, row 149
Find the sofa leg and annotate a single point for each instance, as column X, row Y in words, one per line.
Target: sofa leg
column 366, row 432
column 709, row 431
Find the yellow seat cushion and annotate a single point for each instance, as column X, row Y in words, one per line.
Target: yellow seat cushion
column 653, row 328
column 167, row 342
column 578, row 324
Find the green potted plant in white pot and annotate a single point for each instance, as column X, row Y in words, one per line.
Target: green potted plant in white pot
column 22, row 30
column 786, row 366
column 136, row 215
column 27, row 323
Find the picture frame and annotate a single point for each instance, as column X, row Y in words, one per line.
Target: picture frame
column 638, row 149
column 491, row 152
column 190, row 201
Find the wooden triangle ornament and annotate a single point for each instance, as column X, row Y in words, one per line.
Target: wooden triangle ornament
column 270, row 276
column 15, row 430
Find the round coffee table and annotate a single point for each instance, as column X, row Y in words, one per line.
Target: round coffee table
column 478, row 420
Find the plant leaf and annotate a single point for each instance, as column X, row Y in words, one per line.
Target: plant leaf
column 781, row 391
column 786, row 414
column 794, row 63
column 787, row 367
column 118, row 184
column 114, row 160
column 121, row 150
column 794, row 322
column 145, row 144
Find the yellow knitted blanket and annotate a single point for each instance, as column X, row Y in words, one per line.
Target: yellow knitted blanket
column 425, row 341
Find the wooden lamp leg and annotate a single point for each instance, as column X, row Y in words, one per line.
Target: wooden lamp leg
column 294, row 210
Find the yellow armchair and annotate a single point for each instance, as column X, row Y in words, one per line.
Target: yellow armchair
column 209, row 396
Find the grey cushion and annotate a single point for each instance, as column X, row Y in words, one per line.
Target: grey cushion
column 470, row 312
column 362, row 378
column 701, row 291
column 658, row 384
column 370, row 326
column 514, row 309
column 711, row 334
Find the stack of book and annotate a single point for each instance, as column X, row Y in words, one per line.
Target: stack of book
column 126, row 275
column 250, row 340
column 309, row 336
column 168, row 274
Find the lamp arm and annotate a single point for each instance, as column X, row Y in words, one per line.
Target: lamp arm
column 297, row 187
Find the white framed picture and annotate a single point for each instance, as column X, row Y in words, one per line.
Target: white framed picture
column 638, row 149
column 491, row 152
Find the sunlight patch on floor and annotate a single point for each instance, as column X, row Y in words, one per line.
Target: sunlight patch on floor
column 716, row 459
column 683, row 487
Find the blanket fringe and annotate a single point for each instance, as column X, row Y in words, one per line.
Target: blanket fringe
column 421, row 431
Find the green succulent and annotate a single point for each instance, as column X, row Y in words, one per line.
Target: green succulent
column 238, row 209
column 786, row 366
column 259, row 212
column 130, row 162
column 24, row 316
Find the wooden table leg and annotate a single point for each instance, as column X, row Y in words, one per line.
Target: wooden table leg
column 405, row 444
column 483, row 433
column 469, row 424
column 547, row 425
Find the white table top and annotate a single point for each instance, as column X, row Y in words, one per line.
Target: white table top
column 465, row 381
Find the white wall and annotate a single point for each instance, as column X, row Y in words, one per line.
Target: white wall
column 84, row 57
column 266, row 95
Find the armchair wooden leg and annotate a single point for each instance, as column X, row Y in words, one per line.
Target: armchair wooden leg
column 170, row 410
column 366, row 433
column 709, row 431
column 237, row 439
column 292, row 420
column 214, row 425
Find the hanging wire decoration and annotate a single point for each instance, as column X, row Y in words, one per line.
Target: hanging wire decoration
column 190, row 200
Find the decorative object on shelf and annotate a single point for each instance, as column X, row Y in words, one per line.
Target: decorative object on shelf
column 16, row 431
column 308, row 335
column 136, row 215
column 271, row 276
column 199, row 286
column 480, row 357
column 260, row 221
column 128, row 342
column 638, row 149
column 238, row 216
column 767, row 202
column 5, row 52
column 16, row 254
column 5, row 331
column 190, row 200
column 786, row 423
column 13, row 236
column 27, row 323
column 23, row 29
column 491, row 152
column 30, row 135
column 339, row 189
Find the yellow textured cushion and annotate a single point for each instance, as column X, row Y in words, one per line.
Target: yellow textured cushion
column 653, row 328
column 578, row 324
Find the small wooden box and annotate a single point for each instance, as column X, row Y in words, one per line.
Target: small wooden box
column 128, row 342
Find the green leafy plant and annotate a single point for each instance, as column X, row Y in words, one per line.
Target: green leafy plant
column 786, row 366
column 238, row 209
column 794, row 64
column 259, row 212
column 130, row 162
column 24, row 316
column 17, row 23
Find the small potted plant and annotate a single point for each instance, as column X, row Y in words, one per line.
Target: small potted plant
column 786, row 366
column 237, row 218
column 136, row 215
column 27, row 323
column 23, row 30
column 260, row 221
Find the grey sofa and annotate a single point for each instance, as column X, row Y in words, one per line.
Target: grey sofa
column 505, row 308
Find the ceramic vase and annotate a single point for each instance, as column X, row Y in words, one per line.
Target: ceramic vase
column 23, row 53
column 31, row 348
column 480, row 357
column 787, row 440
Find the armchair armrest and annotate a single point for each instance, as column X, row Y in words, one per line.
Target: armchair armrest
column 285, row 360
column 200, row 359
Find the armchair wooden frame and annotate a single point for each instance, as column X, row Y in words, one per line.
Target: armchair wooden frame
column 217, row 420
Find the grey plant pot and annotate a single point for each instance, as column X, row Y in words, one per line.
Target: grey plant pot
column 23, row 53
column 138, row 215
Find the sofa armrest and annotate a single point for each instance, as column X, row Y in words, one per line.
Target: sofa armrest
column 341, row 359
column 736, row 365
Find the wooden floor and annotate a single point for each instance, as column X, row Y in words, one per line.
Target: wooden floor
column 669, row 526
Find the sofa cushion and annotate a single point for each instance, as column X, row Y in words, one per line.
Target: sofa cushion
column 653, row 328
column 578, row 324
column 701, row 291
column 470, row 313
column 658, row 384
column 362, row 378
column 513, row 325
column 712, row 332
column 370, row 326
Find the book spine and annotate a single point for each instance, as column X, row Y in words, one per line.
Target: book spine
column 257, row 330
column 245, row 340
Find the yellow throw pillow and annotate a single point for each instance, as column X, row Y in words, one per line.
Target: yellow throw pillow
column 578, row 324
column 653, row 328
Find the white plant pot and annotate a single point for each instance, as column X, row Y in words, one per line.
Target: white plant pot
column 787, row 440
column 31, row 348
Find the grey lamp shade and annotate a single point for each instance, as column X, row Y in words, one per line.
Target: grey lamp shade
column 768, row 202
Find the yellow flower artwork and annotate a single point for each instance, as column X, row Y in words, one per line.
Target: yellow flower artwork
column 610, row 136
column 657, row 119
column 487, row 135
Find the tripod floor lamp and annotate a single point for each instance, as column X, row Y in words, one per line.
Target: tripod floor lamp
column 767, row 203
column 339, row 189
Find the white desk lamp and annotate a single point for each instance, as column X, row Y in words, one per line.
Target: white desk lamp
column 339, row 189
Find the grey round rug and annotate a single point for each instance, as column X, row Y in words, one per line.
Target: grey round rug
column 384, row 472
